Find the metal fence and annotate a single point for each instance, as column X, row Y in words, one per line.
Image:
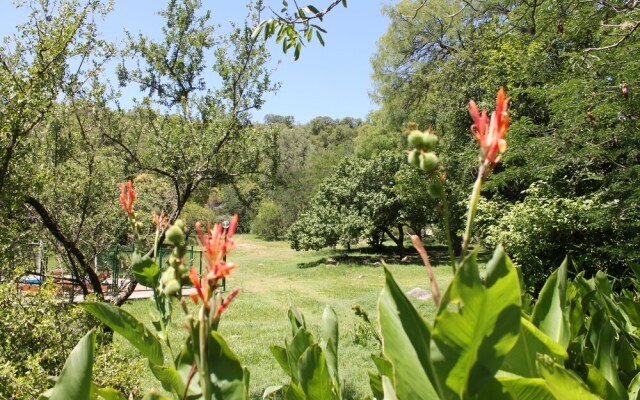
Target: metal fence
column 118, row 260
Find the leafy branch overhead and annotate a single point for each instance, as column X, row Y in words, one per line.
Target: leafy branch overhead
column 295, row 24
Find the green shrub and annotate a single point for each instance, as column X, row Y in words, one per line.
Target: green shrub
column 541, row 230
column 37, row 332
column 270, row 222
column 114, row 369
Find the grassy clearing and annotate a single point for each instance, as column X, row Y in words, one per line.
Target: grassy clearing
column 272, row 276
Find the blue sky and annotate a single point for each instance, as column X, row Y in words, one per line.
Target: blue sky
column 334, row 80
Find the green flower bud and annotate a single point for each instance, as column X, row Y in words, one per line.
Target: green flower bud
column 174, row 235
column 428, row 162
column 180, row 224
column 182, row 269
column 415, row 139
column 436, row 190
column 172, row 287
column 174, row 261
column 414, row 158
column 429, row 141
column 168, row 275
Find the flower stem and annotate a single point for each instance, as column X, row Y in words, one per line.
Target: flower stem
column 473, row 206
column 205, row 382
column 435, row 290
column 447, row 228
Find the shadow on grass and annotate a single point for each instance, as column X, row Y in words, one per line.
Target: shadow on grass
column 438, row 254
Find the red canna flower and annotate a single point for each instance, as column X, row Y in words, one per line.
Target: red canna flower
column 226, row 302
column 127, row 197
column 491, row 136
column 160, row 221
column 216, row 243
column 197, row 287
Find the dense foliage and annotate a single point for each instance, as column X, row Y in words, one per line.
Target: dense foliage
column 365, row 198
column 38, row 331
column 572, row 71
column 65, row 138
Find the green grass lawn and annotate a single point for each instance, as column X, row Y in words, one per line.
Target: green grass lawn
column 272, row 276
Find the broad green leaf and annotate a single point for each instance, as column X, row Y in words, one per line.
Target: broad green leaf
column 74, row 382
column 225, row 371
column 388, row 389
column 301, row 341
column 145, row 270
column 329, row 328
column 155, row 396
column 606, row 359
column 329, row 333
column 271, row 391
column 109, row 394
column 280, row 354
column 129, row 327
column 184, row 363
column 576, row 312
column 315, row 379
column 563, row 384
column 375, row 379
column 477, row 324
column 522, row 359
column 602, row 283
column 246, row 375
column 631, row 309
column 405, row 343
column 169, row 377
column 626, row 357
column 293, row 392
column 634, row 388
column 375, row 383
column 599, row 385
column 296, row 319
column 604, row 298
column 526, row 388
column 492, row 389
column 384, row 366
column 550, row 311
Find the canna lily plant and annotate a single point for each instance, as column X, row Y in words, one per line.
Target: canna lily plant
column 203, row 367
column 579, row 340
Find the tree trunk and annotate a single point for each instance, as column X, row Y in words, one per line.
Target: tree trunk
column 70, row 247
column 397, row 240
column 124, row 294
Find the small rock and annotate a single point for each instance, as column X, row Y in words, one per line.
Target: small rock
column 405, row 258
column 375, row 264
column 331, row 261
column 420, row 294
